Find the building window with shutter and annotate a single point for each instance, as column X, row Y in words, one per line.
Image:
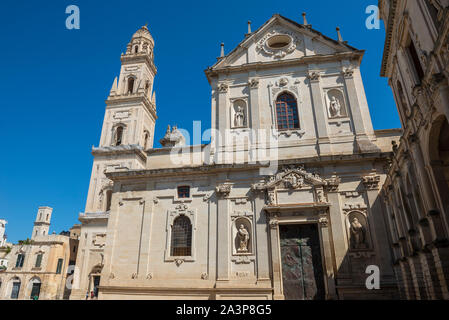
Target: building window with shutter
column 20, row 260
column 181, row 237
column 59, row 266
column 38, row 260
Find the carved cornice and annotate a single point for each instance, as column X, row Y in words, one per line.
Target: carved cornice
column 120, row 150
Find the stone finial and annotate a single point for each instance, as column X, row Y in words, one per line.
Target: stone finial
column 340, row 38
column 249, row 26
column 222, row 50
column 173, row 138
column 304, row 16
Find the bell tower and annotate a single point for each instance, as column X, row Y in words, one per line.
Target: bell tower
column 129, row 121
column 42, row 222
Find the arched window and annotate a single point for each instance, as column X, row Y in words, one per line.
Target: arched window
column 181, row 237
column 130, row 85
column 136, row 49
column 118, row 136
column 287, row 112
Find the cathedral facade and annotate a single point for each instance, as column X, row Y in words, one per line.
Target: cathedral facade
column 283, row 203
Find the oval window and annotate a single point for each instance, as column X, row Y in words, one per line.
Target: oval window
column 279, row 41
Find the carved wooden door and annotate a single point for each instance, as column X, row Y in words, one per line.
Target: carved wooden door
column 302, row 271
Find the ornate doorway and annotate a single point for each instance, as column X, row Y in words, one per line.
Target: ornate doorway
column 302, row 269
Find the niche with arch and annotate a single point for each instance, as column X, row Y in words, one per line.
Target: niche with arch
column 336, row 104
column 358, row 231
column 239, row 114
column 242, row 236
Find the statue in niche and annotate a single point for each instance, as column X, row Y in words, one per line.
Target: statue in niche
column 357, row 235
column 335, row 107
column 271, row 198
column 243, row 236
column 239, row 118
column 100, row 200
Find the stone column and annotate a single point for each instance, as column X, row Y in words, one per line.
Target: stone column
column 430, row 275
column 424, row 182
column 276, row 259
column 263, row 263
column 323, row 224
column 338, row 227
column 319, row 110
column 441, row 258
column 400, row 281
column 408, row 282
column 223, row 253
column 417, row 278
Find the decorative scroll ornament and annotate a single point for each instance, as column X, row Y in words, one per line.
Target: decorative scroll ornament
column 204, row 276
column 223, row 189
column 283, row 82
column 223, row 87
column 241, row 260
column 371, row 182
column 314, row 76
column 253, row 83
column 178, row 262
column 207, row 196
column 348, row 72
column 274, row 223
column 149, row 276
column 323, row 221
column 292, row 42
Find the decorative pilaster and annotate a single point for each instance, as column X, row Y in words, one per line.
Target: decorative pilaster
column 276, row 257
column 320, row 112
column 262, row 249
column 254, row 103
column 223, row 245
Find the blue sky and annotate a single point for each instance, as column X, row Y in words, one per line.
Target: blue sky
column 54, row 82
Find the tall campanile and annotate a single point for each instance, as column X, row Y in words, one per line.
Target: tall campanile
column 128, row 125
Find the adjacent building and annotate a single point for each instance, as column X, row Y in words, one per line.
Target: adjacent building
column 38, row 268
column 416, row 191
column 4, row 246
column 284, row 203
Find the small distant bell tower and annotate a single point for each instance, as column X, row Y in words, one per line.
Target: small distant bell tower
column 42, row 222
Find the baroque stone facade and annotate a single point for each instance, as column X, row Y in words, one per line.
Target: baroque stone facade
column 237, row 218
column 416, row 191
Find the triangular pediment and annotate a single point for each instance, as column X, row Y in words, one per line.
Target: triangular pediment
column 281, row 39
